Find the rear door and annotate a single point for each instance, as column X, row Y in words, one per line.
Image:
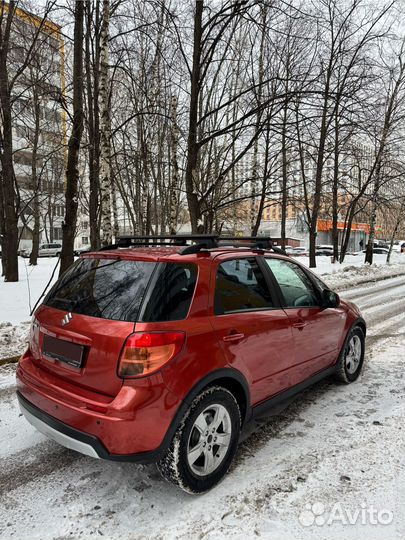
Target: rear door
column 317, row 330
column 43, row 250
column 252, row 329
column 86, row 317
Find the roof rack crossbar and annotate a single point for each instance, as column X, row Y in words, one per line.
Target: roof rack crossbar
column 259, row 242
column 195, row 243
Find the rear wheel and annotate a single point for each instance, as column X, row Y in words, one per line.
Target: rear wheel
column 351, row 358
column 205, row 443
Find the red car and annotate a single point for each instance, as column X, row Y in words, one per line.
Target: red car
column 158, row 350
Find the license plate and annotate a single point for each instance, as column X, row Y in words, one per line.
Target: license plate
column 63, row 351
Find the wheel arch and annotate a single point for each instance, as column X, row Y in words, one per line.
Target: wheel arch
column 232, row 380
column 361, row 323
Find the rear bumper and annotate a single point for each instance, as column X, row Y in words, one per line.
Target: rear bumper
column 75, row 439
column 60, row 432
column 133, row 426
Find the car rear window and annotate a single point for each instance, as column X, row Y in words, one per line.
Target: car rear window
column 104, row 288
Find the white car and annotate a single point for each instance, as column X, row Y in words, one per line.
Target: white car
column 289, row 250
column 45, row 250
column 300, row 252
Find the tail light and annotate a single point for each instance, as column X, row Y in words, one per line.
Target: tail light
column 34, row 338
column 146, row 352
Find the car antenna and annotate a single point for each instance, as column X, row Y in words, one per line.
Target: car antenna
column 46, row 286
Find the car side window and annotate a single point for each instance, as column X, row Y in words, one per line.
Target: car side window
column 172, row 293
column 297, row 288
column 241, row 286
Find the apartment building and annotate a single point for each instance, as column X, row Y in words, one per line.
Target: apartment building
column 39, row 132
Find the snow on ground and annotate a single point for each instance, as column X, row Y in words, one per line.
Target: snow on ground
column 13, row 338
column 17, row 299
column 335, row 455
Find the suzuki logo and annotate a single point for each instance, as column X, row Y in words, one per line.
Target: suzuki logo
column 67, row 318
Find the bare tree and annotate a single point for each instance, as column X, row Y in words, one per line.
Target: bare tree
column 72, row 172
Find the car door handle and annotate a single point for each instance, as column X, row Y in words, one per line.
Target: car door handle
column 233, row 337
column 299, row 324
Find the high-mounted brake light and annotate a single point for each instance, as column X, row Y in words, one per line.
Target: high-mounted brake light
column 146, row 352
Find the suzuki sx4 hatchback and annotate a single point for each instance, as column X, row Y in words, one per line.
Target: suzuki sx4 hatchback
column 165, row 352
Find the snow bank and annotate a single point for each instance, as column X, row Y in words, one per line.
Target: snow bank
column 13, row 338
column 356, row 275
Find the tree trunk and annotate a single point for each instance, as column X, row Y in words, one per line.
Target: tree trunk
column 10, row 239
column 335, row 185
column 191, row 176
column 175, row 176
column 2, row 226
column 105, row 130
column 318, row 186
column 72, row 172
column 394, row 232
column 255, row 219
column 373, row 218
column 92, row 75
column 35, row 179
column 284, row 183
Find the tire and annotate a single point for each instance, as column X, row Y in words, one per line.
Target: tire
column 200, row 470
column 351, row 358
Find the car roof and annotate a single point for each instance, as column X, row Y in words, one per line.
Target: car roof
column 173, row 253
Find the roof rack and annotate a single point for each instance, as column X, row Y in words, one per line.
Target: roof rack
column 194, row 243
column 198, row 241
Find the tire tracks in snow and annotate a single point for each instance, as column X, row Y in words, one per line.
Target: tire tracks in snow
column 34, row 463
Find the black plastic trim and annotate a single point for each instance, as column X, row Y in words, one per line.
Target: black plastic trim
column 285, row 396
column 91, row 440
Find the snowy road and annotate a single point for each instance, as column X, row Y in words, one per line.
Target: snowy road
column 340, row 448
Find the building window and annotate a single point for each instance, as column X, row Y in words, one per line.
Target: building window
column 23, row 158
column 57, row 233
column 85, row 240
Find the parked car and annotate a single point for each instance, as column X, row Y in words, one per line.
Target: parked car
column 326, row 250
column 381, row 243
column 83, row 249
column 45, row 250
column 300, row 252
column 289, row 250
column 164, row 353
column 378, row 250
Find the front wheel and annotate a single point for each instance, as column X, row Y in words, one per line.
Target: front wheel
column 205, row 442
column 351, row 358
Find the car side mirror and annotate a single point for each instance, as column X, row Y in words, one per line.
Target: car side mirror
column 330, row 299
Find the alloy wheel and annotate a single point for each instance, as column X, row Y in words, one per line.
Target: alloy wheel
column 353, row 354
column 209, row 440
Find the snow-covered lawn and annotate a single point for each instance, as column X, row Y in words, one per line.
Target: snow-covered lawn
column 17, row 299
